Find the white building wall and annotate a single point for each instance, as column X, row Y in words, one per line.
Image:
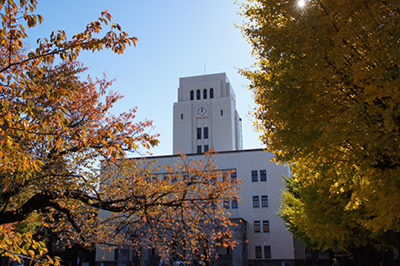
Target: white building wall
column 222, row 126
column 245, row 161
column 183, row 127
column 278, row 238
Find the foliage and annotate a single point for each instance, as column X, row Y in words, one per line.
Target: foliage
column 55, row 127
column 20, row 246
column 326, row 88
column 332, row 227
column 170, row 206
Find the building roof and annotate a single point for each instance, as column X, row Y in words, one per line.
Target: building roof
column 197, row 154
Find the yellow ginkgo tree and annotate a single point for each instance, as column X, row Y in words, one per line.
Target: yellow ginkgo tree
column 326, row 86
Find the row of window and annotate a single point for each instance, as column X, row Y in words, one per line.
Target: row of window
column 265, row 226
column 160, row 177
column 174, row 178
column 263, row 175
column 200, row 148
column 198, row 94
column 264, row 201
column 267, row 252
column 227, row 204
column 205, row 131
column 256, row 202
column 200, row 136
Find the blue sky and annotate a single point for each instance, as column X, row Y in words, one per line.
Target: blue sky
column 177, row 38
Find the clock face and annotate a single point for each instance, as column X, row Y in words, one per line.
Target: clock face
column 202, row 111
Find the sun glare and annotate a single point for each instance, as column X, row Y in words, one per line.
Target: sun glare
column 301, row 3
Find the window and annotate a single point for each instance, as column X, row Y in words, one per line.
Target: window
column 256, row 201
column 205, row 94
column 199, row 149
column 191, row 95
column 211, row 93
column 205, row 148
column 198, row 94
column 254, row 176
column 199, row 133
column 266, row 226
column 206, row 133
column 234, row 203
column 258, row 252
column 224, row 177
column 226, row 204
column 222, row 112
column 263, row 175
column 234, row 177
column 267, row 252
column 257, row 227
column 181, row 116
column 264, row 201
column 116, row 253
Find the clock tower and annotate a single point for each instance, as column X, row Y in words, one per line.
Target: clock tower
column 205, row 115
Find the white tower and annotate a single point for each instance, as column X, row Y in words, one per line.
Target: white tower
column 205, row 115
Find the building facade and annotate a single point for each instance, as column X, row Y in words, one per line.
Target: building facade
column 205, row 117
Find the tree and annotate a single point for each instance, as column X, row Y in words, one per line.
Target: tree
column 55, row 127
column 333, row 226
column 180, row 208
column 327, row 95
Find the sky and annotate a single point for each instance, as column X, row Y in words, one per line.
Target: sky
column 177, row 38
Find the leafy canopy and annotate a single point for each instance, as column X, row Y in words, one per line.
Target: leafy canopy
column 54, row 128
column 327, row 94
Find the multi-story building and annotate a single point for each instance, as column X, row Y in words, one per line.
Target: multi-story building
column 205, row 117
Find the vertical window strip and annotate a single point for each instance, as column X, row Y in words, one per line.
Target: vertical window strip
column 265, row 226
column 205, row 132
column 254, row 176
column 257, row 227
column 258, row 252
column 234, row 203
column 267, row 252
column 264, row 201
column 263, row 175
column 199, row 133
column 256, row 201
